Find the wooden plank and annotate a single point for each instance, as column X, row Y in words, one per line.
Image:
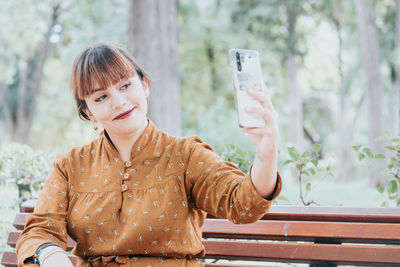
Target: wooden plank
column 288, row 230
column 294, row 231
column 19, row 220
column 9, row 259
column 333, row 214
column 375, row 233
column 28, row 206
column 303, row 252
column 303, row 213
column 14, row 236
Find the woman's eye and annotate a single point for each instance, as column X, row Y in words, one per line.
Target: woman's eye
column 100, row 98
column 125, row 86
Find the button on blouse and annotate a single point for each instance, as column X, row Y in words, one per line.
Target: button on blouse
column 124, row 187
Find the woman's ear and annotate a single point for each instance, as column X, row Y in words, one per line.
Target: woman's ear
column 89, row 114
column 146, row 86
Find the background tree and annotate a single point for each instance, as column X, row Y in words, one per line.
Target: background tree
column 18, row 98
column 371, row 62
column 153, row 40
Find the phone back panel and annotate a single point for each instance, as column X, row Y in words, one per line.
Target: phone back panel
column 246, row 75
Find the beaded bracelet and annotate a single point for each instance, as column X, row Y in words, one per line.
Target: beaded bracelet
column 40, row 249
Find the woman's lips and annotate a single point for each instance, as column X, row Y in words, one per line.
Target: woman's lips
column 124, row 115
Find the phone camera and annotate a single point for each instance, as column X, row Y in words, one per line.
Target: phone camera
column 239, row 64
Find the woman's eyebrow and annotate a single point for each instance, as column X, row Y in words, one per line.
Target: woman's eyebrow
column 97, row 89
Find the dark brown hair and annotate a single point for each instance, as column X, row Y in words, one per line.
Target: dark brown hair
column 101, row 65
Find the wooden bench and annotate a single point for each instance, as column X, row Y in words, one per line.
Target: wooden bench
column 320, row 236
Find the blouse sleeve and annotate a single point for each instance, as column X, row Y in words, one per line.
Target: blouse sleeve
column 47, row 223
column 220, row 188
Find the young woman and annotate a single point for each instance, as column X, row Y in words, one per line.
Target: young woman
column 137, row 195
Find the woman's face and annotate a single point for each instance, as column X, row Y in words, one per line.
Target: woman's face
column 121, row 108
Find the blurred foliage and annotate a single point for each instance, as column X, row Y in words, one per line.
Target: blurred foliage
column 392, row 188
column 308, row 168
column 243, row 159
column 26, row 168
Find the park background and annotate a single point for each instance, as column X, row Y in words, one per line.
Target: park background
column 331, row 68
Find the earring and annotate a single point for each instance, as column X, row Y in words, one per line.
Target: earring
column 95, row 125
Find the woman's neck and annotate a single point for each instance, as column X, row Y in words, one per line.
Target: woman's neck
column 124, row 142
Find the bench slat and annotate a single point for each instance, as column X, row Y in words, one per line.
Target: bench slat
column 305, row 253
column 283, row 230
column 333, row 214
column 300, row 213
column 305, row 231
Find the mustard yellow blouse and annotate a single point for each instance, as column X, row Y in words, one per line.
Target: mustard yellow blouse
column 148, row 210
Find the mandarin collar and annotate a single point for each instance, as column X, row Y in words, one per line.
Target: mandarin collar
column 140, row 144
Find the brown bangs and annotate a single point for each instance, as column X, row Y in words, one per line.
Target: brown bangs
column 100, row 68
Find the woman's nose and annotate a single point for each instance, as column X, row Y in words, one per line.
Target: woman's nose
column 118, row 100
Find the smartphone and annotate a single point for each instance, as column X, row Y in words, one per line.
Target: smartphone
column 246, row 69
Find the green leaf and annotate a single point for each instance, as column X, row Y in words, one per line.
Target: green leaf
column 306, row 154
column 356, row 147
column 385, row 204
column 368, row 152
column 315, row 162
column 381, row 138
column 308, row 186
column 292, row 154
column 283, row 198
column 381, row 189
column 287, row 162
column 379, row 156
column 328, row 168
column 316, row 148
column 391, row 187
column 396, row 140
column 298, row 166
column 398, row 202
column 305, row 172
column 391, row 148
column 361, row 156
column 387, row 133
column 312, row 171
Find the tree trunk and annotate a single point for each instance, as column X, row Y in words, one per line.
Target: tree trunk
column 28, row 84
column 345, row 163
column 370, row 58
column 153, row 40
column 294, row 94
column 397, row 70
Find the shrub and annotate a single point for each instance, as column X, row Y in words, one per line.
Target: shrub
column 21, row 165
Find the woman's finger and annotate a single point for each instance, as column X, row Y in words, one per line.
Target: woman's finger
column 260, row 97
column 266, row 92
column 259, row 131
column 267, row 115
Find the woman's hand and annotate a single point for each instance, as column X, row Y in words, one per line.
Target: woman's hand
column 59, row 259
column 265, row 166
column 266, row 138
